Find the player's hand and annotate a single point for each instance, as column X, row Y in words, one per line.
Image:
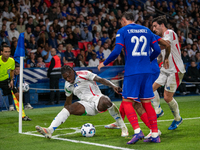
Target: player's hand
column 11, row 84
column 100, row 66
column 166, row 64
column 118, row 90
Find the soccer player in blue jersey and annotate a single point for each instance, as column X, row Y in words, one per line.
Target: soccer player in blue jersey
column 137, row 87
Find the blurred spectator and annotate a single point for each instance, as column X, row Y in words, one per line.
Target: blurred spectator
column 40, row 62
column 56, row 26
column 12, row 32
column 30, row 23
column 46, row 54
column 59, row 14
column 96, row 38
column 3, row 38
column 106, row 50
column 192, row 51
column 60, row 40
column 36, row 8
column 37, row 32
column 104, row 38
column 32, row 43
column 13, row 45
column 86, row 35
column 196, row 58
column 38, row 52
column 36, row 20
column 62, row 32
column 25, row 17
column 83, row 12
column 89, row 52
column 52, row 14
column 80, row 62
column 118, row 61
column 27, row 33
column 43, row 29
column 25, row 6
column 97, row 25
column 14, row 15
column 89, row 25
column 6, row 13
column 192, row 74
column 64, row 12
column 77, row 34
column 41, row 40
column 71, row 40
column 100, row 54
column 189, row 39
column 185, row 57
column 20, row 25
column 52, row 40
column 44, row 9
column 69, row 56
column 60, row 53
column 93, row 62
column 97, row 47
column 31, row 62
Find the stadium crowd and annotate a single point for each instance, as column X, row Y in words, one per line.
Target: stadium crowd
column 83, row 32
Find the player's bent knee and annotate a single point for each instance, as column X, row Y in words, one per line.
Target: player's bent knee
column 75, row 109
column 104, row 103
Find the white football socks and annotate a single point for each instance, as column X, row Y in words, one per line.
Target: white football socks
column 156, row 103
column 114, row 112
column 173, row 105
column 59, row 119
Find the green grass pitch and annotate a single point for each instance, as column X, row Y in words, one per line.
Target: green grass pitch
column 185, row 137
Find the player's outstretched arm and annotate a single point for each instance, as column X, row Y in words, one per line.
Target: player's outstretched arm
column 107, row 83
column 113, row 55
column 100, row 66
column 167, row 46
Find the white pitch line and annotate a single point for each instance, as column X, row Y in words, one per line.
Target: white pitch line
column 90, row 143
column 83, row 142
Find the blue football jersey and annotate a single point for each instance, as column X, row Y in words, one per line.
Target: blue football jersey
column 137, row 41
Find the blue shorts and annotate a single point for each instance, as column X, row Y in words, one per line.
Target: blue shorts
column 138, row 87
column 155, row 76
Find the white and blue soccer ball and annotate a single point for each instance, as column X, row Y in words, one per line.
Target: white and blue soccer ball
column 25, row 87
column 88, row 130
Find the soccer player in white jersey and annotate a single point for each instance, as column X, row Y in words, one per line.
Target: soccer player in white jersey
column 92, row 101
column 170, row 78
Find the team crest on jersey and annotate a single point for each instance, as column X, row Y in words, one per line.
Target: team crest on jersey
column 118, row 35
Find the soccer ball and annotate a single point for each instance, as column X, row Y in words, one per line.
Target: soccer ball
column 88, row 130
column 25, row 87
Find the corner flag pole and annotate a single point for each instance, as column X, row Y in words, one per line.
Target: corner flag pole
column 20, row 53
column 20, row 93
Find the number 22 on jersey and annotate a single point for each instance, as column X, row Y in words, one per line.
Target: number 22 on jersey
column 138, row 41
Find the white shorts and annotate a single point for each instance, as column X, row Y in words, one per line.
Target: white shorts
column 91, row 105
column 171, row 81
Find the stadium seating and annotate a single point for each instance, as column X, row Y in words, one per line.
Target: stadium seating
column 71, row 64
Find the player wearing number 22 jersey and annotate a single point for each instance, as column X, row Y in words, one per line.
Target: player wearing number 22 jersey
column 137, row 41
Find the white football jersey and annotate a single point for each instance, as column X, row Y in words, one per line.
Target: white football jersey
column 175, row 61
column 83, row 87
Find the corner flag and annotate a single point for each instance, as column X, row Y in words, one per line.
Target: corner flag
column 18, row 56
column 20, row 50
